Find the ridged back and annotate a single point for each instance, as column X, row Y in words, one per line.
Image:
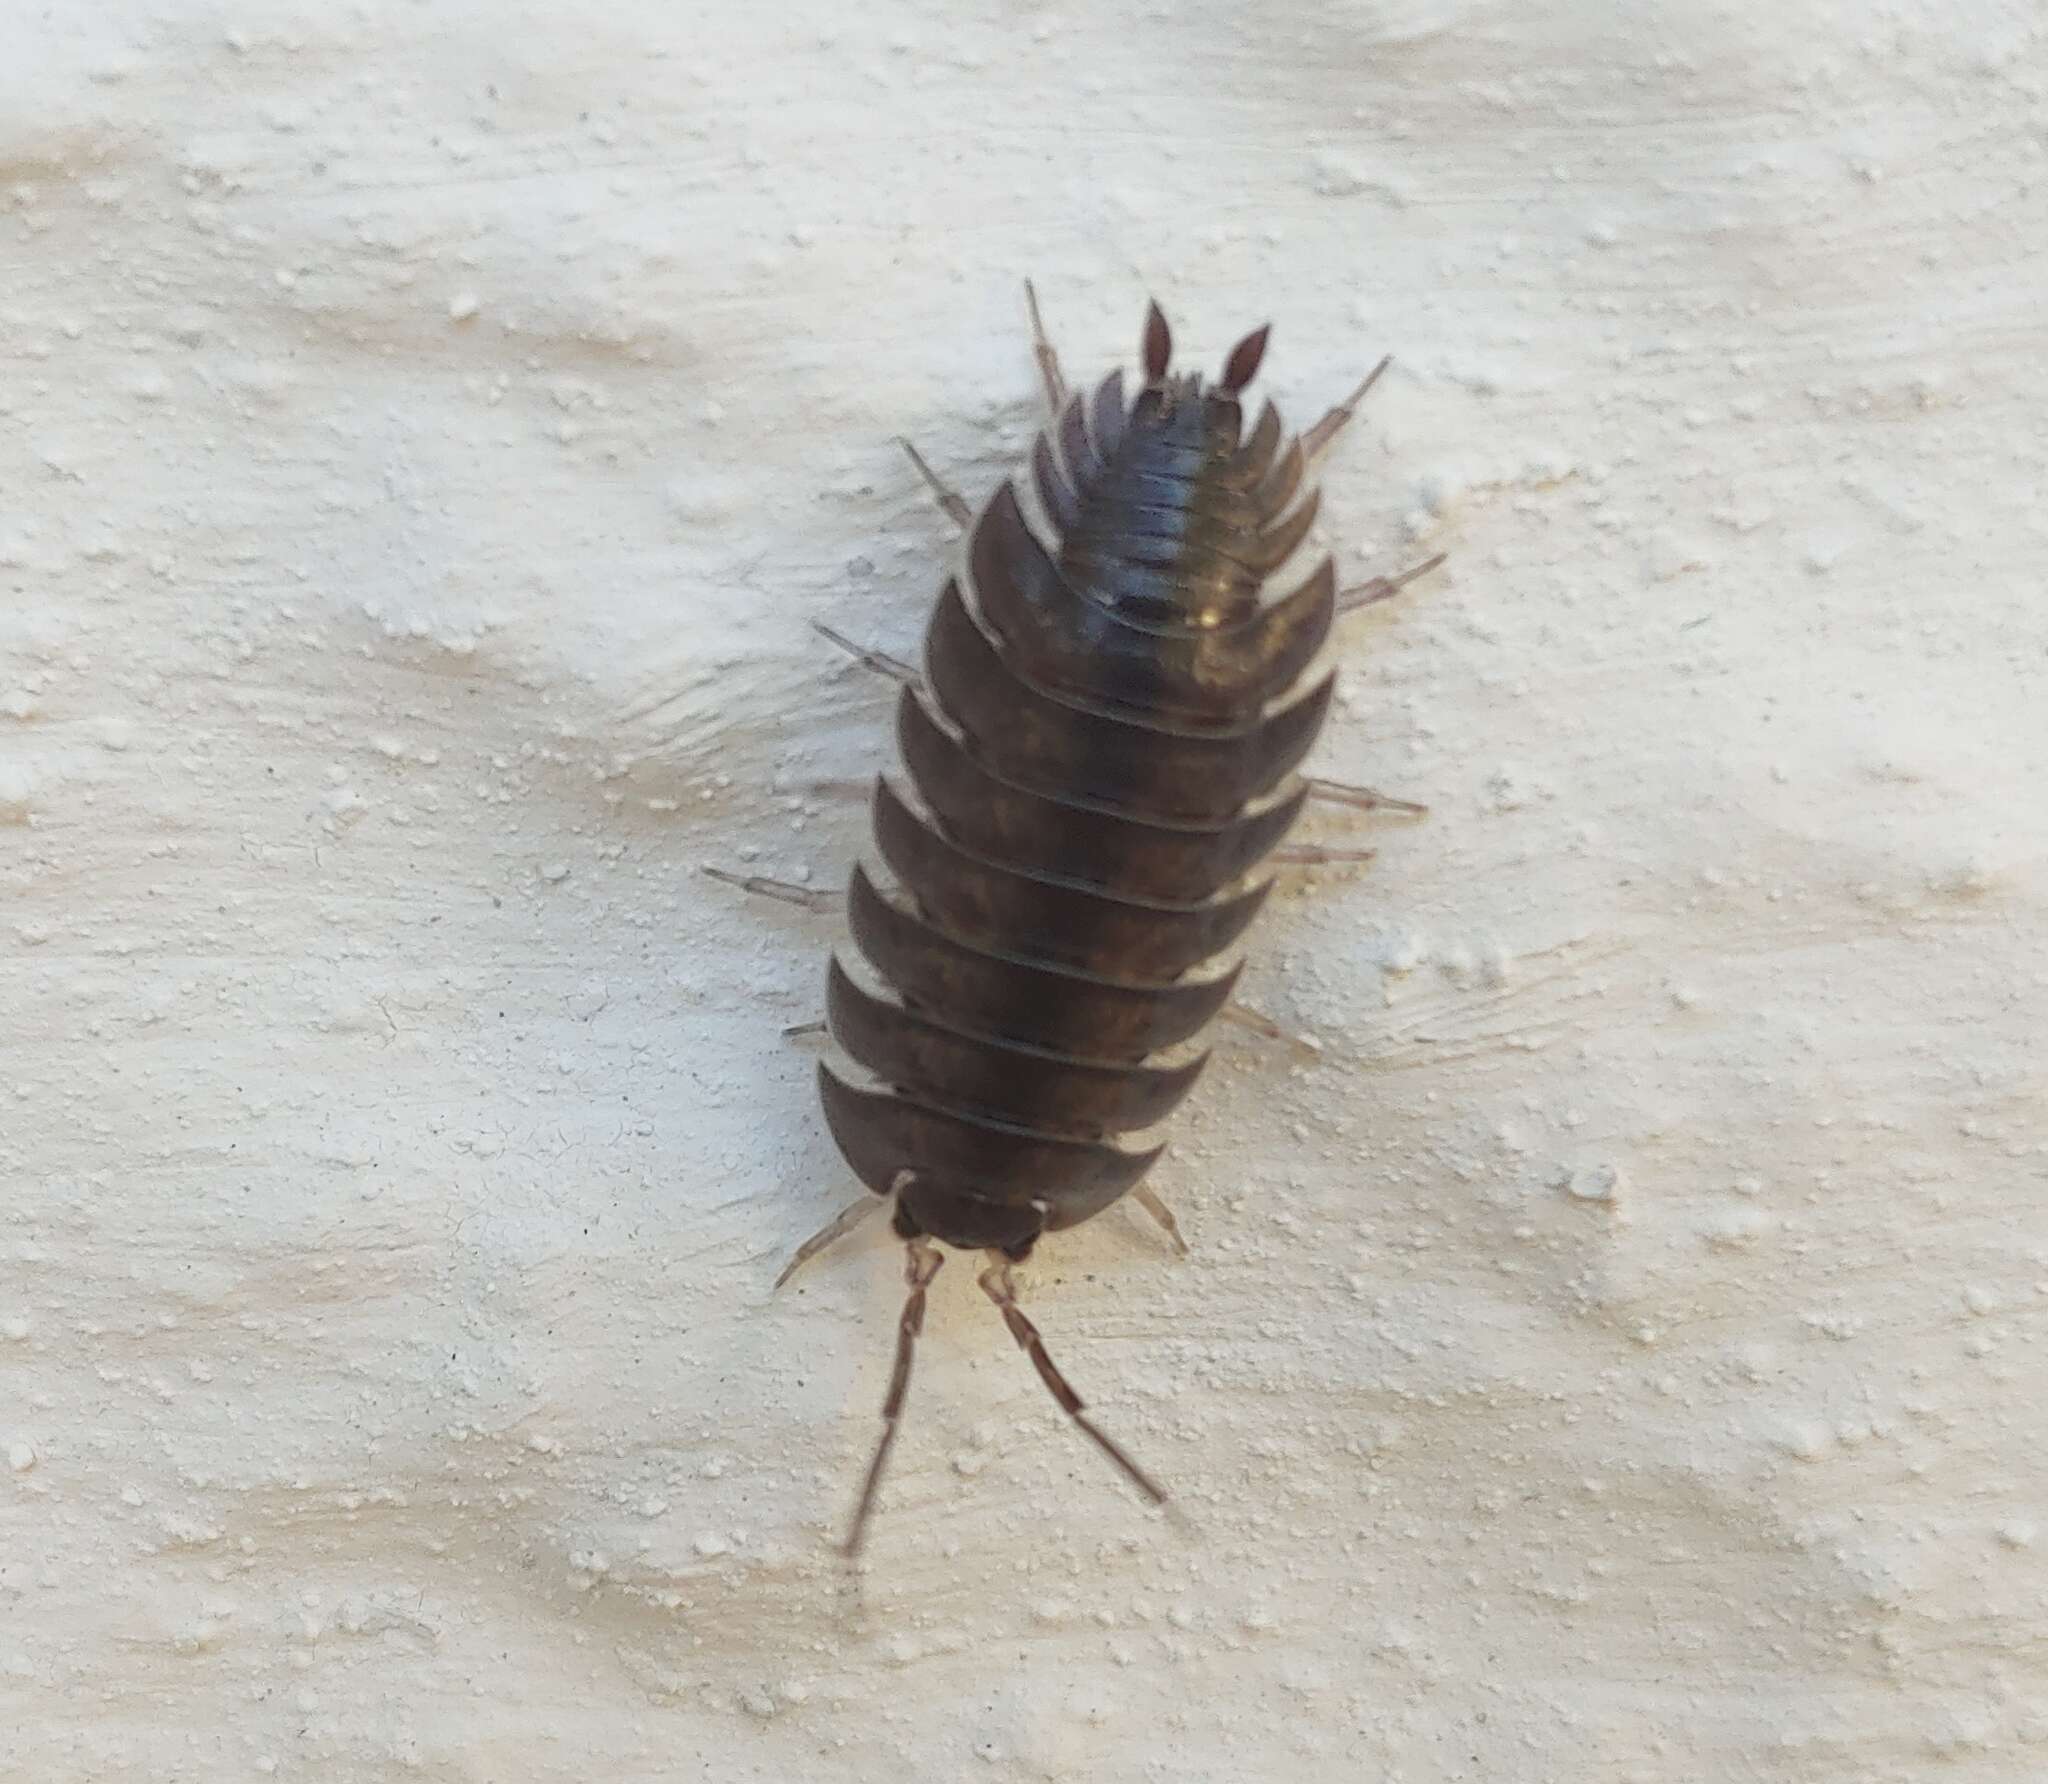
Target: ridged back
column 1100, row 756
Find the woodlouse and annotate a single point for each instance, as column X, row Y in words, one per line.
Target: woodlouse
column 1103, row 747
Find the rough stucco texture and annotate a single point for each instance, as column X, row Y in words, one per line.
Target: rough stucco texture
column 1615, row 1352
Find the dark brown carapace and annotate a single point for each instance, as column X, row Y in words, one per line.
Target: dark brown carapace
column 1102, row 754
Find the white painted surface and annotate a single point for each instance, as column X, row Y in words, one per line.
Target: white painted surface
column 425, row 436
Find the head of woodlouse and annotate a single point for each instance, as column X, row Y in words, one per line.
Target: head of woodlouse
column 1211, row 418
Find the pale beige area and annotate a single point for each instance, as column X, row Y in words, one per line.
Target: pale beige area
column 426, row 433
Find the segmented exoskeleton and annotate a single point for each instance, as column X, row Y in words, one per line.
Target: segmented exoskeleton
column 1103, row 754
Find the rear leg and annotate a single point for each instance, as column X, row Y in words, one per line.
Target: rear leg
column 1001, row 1288
column 920, row 1264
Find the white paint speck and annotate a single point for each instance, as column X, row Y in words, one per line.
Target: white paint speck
column 1593, row 1183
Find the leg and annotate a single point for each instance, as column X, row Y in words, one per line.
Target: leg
column 1363, row 798
column 921, row 1263
column 1332, row 424
column 1244, row 1016
column 830, row 1233
column 997, row 1284
column 1349, row 600
column 880, row 661
column 1315, row 854
column 950, row 498
column 859, row 791
column 1048, row 360
column 1148, row 1200
column 806, row 898
column 1383, row 588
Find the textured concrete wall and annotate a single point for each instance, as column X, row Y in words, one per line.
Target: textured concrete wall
column 426, row 434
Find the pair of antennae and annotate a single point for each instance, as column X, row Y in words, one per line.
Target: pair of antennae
column 1238, row 370
column 921, row 1263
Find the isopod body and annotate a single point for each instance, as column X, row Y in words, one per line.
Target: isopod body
column 1100, row 759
